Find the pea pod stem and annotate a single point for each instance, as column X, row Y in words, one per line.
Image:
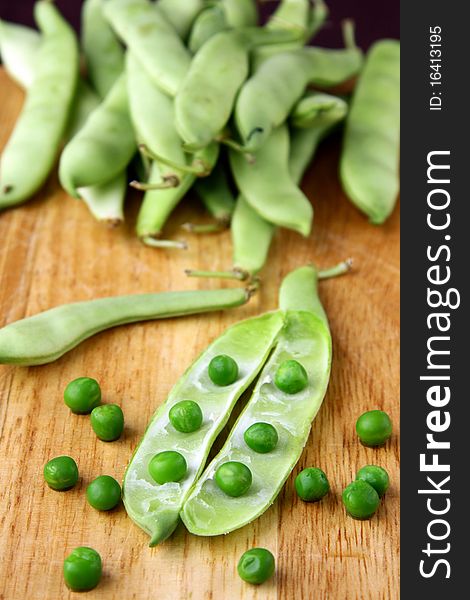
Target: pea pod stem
column 168, row 181
column 158, row 243
column 198, row 167
column 233, row 274
column 218, row 225
column 340, row 269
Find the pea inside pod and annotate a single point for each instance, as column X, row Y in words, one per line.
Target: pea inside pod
column 305, row 336
column 153, row 506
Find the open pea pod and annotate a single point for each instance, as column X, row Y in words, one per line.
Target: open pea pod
column 156, row 507
column 306, row 339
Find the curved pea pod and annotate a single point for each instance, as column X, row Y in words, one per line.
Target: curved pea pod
column 209, row 22
column 268, row 186
column 154, row 41
column 181, row 13
column 103, row 147
column 205, row 99
column 19, row 48
column 104, row 54
column 369, row 161
column 305, row 338
column 32, row 148
column 155, row 508
column 280, row 81
column 45, row 337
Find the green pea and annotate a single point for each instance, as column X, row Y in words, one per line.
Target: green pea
column 261, row 437
column 167, row 466
column 374, row 428
column 103, row 493
column 291, row 377
column 234, row 478
column 376, row 477
column 256, row 565
column 82, row 395
column 107, row 422
column 223, row 370
column 61, row 473
column 82, row 569
column 360, row 499
column 312, row 484
column 186, row 416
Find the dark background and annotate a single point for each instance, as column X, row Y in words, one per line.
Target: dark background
column 374, row 18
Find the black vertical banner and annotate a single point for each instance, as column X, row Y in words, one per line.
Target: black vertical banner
column 435, row 324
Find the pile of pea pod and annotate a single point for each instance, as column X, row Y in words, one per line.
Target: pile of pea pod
column 196, row 94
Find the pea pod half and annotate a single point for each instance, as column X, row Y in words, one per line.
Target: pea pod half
column 306, row 339
column 156, row 507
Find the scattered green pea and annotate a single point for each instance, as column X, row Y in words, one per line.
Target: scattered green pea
column 312, row 484
column 375, row 476
column 374, row 428
column 82, row 395
column 223, row 370
column 360, row 499
column 234, row 478
column 167, row 466
column 261, row 437
column 82, row 569
column 186, row 416
column 107, row 422
column 61, row 473
column 103, row 493
column 256, row 565
column 291, row 377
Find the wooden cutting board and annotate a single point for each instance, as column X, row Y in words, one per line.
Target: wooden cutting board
column 53, row 252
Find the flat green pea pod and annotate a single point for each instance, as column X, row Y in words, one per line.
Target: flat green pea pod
column 31, row 150
column 316, row 109
column 305, row 341
column 251, row 233
column 281, row 80
column 104, row 54
column 19, row 48
column 181, row 14
column 251, row 239
column 268, row 187
column 156, row 507
column 205, row 99
column 153, row 40
column 103, row 147
column 369, row 161
column 45, row 337
column 152, row 116
column 209, row 22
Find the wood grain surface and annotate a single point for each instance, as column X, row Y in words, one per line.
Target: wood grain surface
column 52, row 252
